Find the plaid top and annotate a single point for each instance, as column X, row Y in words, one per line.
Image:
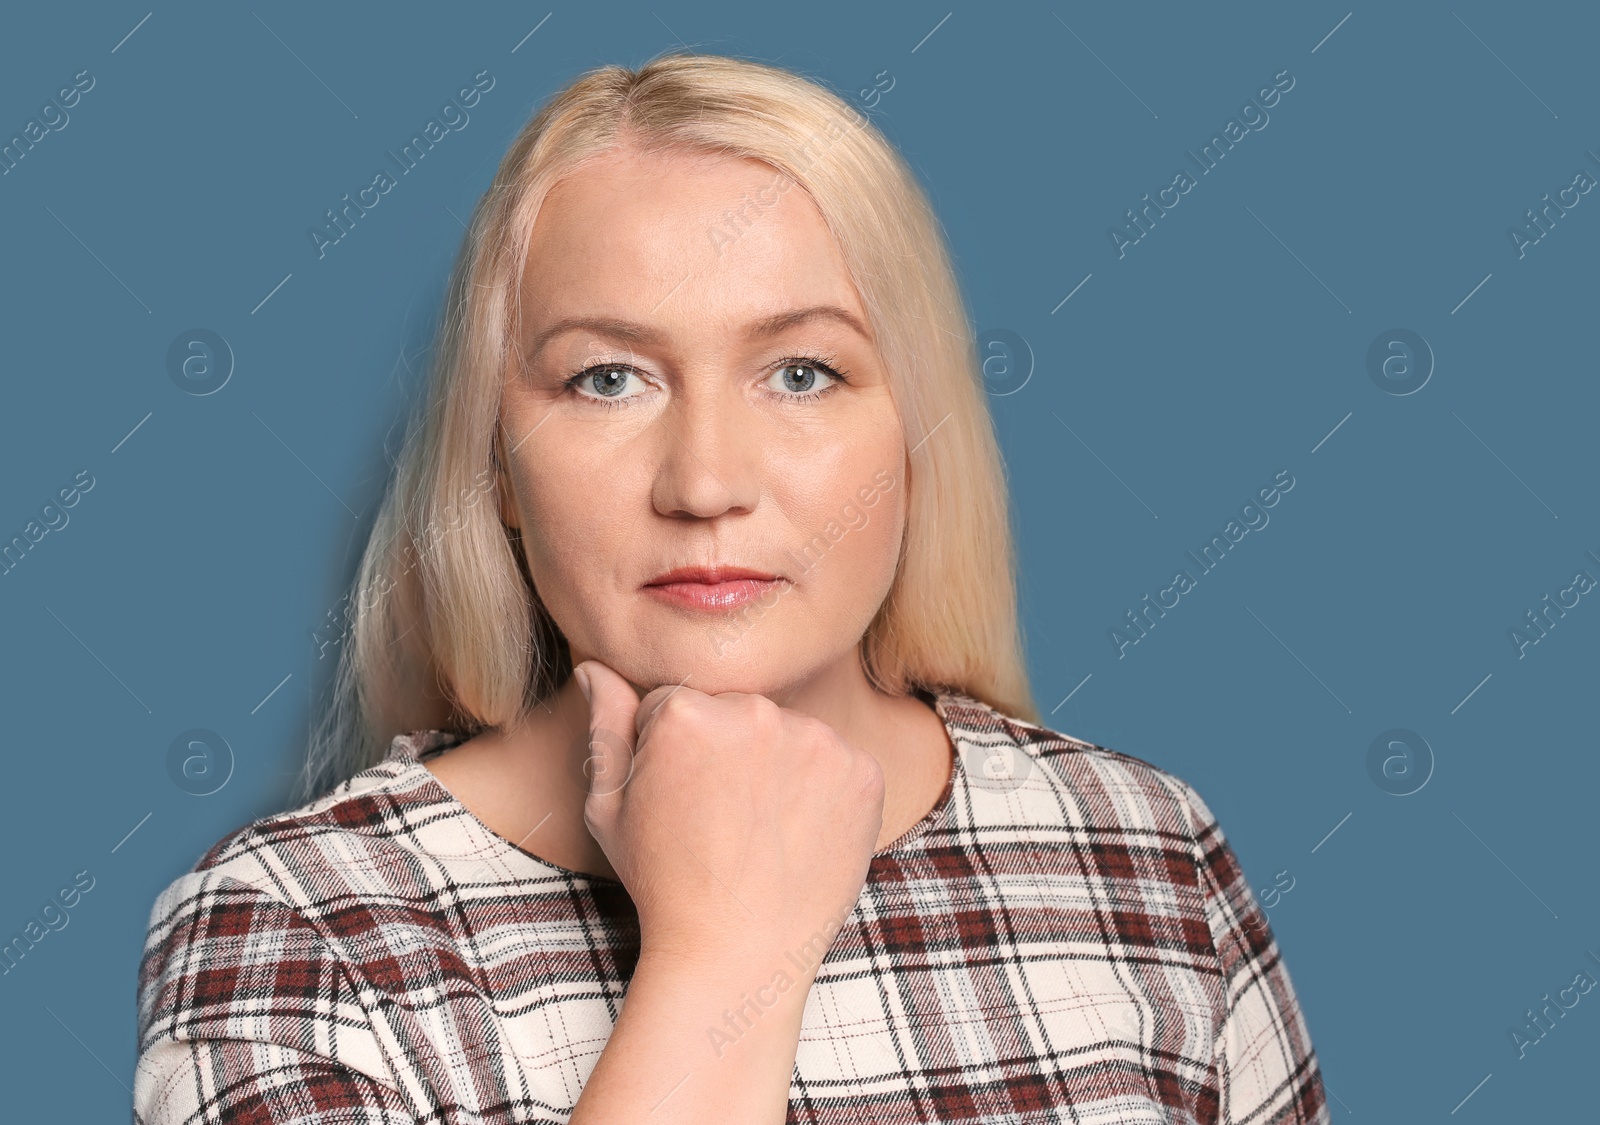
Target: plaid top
column 1066, row 936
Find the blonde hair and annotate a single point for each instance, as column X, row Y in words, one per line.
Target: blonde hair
column 442, row 577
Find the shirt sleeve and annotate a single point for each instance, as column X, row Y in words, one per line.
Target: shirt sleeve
column 1266, row 1068
column 246, row 1015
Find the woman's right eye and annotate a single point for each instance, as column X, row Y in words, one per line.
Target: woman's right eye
column 607, row 382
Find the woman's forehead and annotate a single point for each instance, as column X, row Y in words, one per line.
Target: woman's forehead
column 659, row 237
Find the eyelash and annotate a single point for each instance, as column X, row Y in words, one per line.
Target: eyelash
column 827, row 364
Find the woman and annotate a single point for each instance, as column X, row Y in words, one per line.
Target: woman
column 683, row 766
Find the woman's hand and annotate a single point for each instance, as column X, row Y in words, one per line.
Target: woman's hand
column 740, row 829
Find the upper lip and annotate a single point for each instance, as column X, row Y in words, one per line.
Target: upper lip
column 709, row 575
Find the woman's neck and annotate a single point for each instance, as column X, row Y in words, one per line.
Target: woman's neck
column 528, row 784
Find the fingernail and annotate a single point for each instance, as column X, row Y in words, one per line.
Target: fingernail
column 583, row 683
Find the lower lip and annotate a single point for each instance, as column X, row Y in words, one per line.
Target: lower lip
column 713, row 596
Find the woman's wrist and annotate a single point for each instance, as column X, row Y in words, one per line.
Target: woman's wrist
column 728, row 977
column 745, row 955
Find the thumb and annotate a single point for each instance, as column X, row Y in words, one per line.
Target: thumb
column 613, row 703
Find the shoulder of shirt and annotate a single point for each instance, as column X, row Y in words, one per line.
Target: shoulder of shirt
column 353, row 838
column 1078, row 766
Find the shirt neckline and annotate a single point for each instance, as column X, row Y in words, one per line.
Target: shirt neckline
column 411, row 747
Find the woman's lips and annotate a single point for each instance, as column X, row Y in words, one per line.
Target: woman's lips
column 712, row 596
column 712, row 589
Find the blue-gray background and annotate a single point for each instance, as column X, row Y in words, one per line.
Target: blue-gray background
column 194, row 583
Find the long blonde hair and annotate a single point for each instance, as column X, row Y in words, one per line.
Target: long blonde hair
column 433, row 639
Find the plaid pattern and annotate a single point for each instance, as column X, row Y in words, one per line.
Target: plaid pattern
column 1077, row 945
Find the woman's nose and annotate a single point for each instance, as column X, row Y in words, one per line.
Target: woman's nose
column 709, row 457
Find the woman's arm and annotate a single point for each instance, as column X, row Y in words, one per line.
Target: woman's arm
column 188, row 1080
column 743, row 832
column 1267, row 1071
column 246, row 1014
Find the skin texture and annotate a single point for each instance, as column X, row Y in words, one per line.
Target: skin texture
column 740, row 799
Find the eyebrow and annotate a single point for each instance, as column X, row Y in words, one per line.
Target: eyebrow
column 636, row 333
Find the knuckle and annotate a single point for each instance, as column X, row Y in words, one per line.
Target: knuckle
column 809, row 743
column 675, row 709
column 761, row 715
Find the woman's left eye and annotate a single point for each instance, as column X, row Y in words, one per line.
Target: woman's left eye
column 806, row 378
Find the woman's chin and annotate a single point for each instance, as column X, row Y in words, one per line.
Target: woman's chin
column 736, row 669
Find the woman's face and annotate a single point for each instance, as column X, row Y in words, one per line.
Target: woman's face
column 676, row 400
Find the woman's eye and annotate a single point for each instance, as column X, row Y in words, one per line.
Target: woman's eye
column 604, row 382
column 803, row 377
